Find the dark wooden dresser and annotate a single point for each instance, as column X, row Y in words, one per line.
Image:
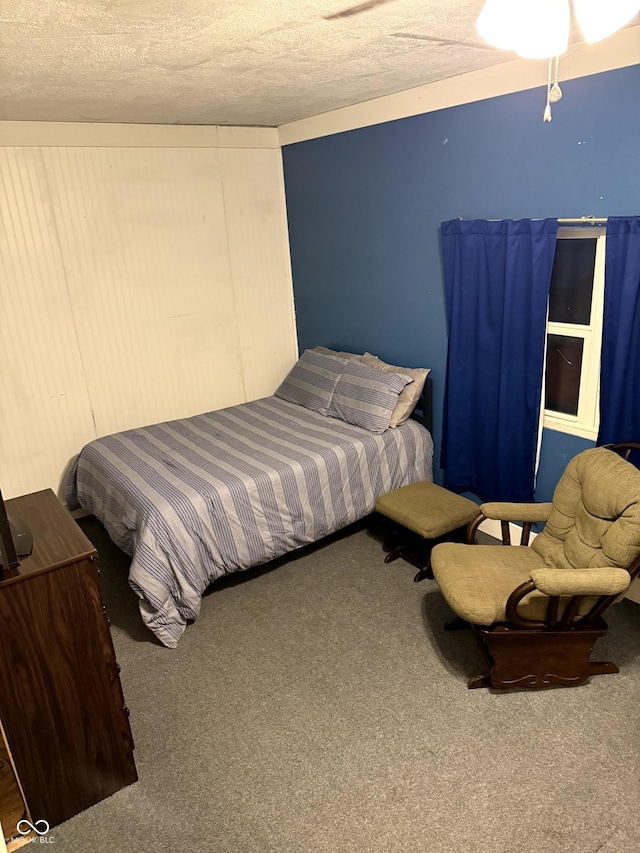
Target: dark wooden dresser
column 61, row 704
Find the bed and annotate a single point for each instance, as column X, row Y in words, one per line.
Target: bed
column 193, row 499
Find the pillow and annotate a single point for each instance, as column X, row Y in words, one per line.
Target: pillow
column 311, row 381
column 409, row 395
column 365, row 396
column 326, row 351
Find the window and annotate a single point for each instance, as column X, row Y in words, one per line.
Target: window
column 574, row 332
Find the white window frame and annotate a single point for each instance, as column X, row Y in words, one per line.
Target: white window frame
column 586, row 423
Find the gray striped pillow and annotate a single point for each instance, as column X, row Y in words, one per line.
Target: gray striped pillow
column 367, row 397
column 311, row 381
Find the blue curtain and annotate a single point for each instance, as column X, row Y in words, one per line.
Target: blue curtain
column 620, row 362
column 497, row 277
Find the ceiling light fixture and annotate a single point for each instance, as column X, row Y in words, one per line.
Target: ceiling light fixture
column 539, row 29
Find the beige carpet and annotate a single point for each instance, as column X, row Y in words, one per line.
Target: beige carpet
column 319, row 707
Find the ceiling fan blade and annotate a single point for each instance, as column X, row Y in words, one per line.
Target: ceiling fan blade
column 356, row 10
column 443, row 41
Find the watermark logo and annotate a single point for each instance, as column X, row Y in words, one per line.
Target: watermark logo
column 41, row 829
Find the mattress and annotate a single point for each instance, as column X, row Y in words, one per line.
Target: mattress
column 194, row 499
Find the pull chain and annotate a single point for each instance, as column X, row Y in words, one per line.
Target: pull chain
column 554, row 92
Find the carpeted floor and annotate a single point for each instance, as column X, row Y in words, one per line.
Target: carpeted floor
column 319, row 707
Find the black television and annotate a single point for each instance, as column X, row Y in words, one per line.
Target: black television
column 15, row 540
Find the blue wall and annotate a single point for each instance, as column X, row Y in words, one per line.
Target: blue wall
column 365, row 208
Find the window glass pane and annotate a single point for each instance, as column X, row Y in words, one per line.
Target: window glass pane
column 572, row 281
column 564, row 364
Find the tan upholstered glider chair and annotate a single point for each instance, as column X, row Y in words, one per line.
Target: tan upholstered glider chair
column 536, row 610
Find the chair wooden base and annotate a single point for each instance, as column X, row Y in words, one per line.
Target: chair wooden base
column 535, row 659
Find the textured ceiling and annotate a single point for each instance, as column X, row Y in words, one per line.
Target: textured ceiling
column 227, row 62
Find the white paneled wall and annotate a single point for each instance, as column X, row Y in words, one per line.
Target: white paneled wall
column 139, row 284
column 258, row 242
column 45, row 412
column 144, row 241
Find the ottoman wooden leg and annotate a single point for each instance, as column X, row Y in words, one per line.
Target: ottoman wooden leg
column 394, row 554
column 424, row 574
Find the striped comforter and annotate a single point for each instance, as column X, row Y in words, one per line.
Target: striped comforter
column 193, row 499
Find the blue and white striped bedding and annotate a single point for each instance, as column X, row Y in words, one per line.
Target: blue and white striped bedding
column 193, row 499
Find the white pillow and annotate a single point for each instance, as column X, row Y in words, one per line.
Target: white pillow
column 409, row 395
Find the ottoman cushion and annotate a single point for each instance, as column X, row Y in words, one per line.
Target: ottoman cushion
column 427, row 509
